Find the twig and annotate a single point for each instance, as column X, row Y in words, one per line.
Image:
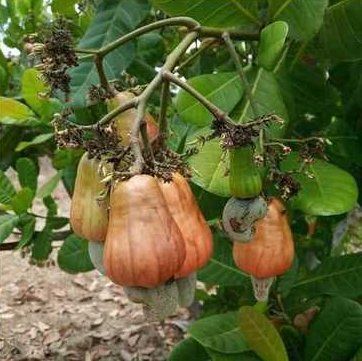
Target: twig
column 211, row 32
column 162, row 119
column 98, row 61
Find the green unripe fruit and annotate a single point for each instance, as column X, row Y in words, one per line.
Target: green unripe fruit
column 245, row 180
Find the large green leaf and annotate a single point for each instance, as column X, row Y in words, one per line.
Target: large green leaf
column 7, row 224
column 339, row 276
column 64, row 7
column 222, row 89
column 304, row 17
column 331, row 191
column 73, row 257
column 219, row 13
column 32, row 88
column 112, row 20
column 272, row 39
column 190, row 350
column 27, row 173
column 221, row 269
column 210, row 167
column 244, row 356
column 341, row 33
column 220, row 333
column 261, row 335
column 336, row 333
column 7, row 190
column 14, row 111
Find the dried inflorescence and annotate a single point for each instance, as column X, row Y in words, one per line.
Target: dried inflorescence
column 56, row 54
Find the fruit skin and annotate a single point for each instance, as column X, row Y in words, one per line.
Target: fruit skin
column 244, row 179
column 240, row 215
column 193, row 226
column 144, row 246
column 271, row 251
column 95, row 250
column 89, row 216
column 125, row 120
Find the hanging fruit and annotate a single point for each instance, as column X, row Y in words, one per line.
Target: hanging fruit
column 191, row 222
column 244, row 179
column 240, row 215
column 144, row 246
column 186, row 287
column 88, row 214
column 270, row 252
column 125, row 120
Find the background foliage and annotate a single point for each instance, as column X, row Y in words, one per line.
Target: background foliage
column 306, row 68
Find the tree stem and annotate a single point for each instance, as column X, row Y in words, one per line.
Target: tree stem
column 162, row 119
column 98, row 60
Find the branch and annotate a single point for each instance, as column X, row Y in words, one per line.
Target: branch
column 98, row 61
column 212, row 108
column 162, row 119
column 211, row 32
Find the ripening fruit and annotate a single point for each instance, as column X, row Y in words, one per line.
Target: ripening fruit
column 191, row 222
column 144, row 246
column 89, row 215
column 244, row 179
column 271, row 251
column 125, row 120
column 240, row 215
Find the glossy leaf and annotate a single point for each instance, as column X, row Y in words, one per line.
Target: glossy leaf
column 336, row 333
column 222, row 89
column 334, row 276
column 7, row 190
column 220, row 333
column 64, row 7
column 331, row 191
column 304, row 17
column 272, row 39
column 22, row 200
column 73, row 256
column 221, row 269
column 190, row 350
column 32, row 89
column 112, row 19
column 39, row 139
column 14, row 111
column 27, row 173
column 47, row 189
column 7, row 224
column 219, row 13
column 244, row 356
column 341, row 33
column 42, row 245
column 261, row 335
column 27, row 231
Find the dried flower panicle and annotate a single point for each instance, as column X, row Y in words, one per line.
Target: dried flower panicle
column 312, row 149
column 66, row 135
column 56, row 55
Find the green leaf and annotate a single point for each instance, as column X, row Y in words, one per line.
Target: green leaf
column 268, row 99
column 7, row 224
column 47, row 189
column 336, row 333
column 245, row 356
column 222, row 89
column 27, row 173
column 218, row 13
column 221, row 269
column 14, row 111
column 39, row 139
column 112, row 19
column 220, row 333
column 334, row 276
column 42, row 245
column 304, row 17
column 64, row 7
column 7, row 190
column 272, row 39
column 32, row 88
column 22, row 200
column 331, row 191
column 341, row 33
column 27, row 231
column 150, row 47
column 210, row 167
column 73, row 256
column 288, row 279
column 261, row 335
column 189, row 349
